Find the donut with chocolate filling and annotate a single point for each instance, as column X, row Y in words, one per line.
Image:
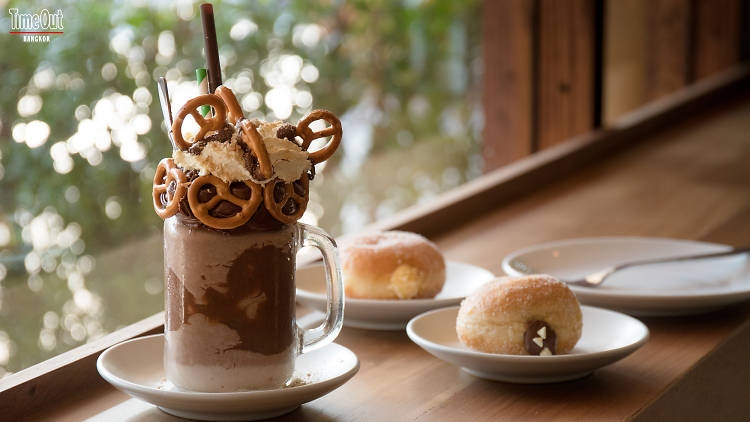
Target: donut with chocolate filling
column 530, row 315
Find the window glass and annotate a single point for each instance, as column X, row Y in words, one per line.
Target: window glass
column 81, row 132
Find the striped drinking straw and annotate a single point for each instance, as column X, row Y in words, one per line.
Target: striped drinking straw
column 200, row 75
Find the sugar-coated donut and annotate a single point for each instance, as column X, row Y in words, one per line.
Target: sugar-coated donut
column 530, row 315
column 392, row 265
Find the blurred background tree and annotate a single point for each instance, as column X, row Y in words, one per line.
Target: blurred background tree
column 81, row 131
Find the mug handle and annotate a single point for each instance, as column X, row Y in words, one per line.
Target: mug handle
column 327, row 331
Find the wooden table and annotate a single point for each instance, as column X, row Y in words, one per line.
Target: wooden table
column 689, row 181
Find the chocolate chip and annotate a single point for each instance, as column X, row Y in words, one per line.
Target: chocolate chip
column 279, row 190
column 240, row 190
column 252, row 165
column 311, row 173
column 197, row 147
column 224, row 209
column 262, row 220
column 171, row 189
column 299, row 188
column 191, row 175
column 222, row 135
column 206, row 193
column 185, row 207
column 538, row 336
column 290, row 208
column 288, row 132
column 250, row 161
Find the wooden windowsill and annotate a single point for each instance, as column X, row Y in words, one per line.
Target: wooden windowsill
column 552, row 194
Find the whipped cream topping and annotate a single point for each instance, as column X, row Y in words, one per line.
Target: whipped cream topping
column 226, row 160
column 289, row 161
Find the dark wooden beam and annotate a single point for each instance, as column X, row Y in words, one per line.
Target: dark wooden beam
column 667, row 55
column 716, row 36
column 507, row 55
column 566, row 70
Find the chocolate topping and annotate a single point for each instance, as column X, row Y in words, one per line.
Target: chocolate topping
column 278, row 192
column 538, row 336
column 252, row 165
column 290, row 207
column 224, row 209
column 240, row 190
column 206, row 193
column 299, row 188
column 191, row 175
column 262, row 220
column 222, row 135
column 184, row 207
column 288, row 132
column 197, row 147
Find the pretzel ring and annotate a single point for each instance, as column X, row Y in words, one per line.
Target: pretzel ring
column 334, row 131
column 234, row 111
column 166, row 174
column 201, row 210
column 213, row 123
column 251, row 138
column 276, row 208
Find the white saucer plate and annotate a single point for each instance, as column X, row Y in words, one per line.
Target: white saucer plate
column 607, row 337
column 460, row 280
column 677, row 288
column 136, row 367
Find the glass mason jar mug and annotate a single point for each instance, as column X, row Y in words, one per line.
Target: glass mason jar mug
column 230, row 305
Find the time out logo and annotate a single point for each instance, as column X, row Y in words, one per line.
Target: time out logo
column 36, row 27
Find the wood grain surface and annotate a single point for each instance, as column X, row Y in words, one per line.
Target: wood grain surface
column 689, row 182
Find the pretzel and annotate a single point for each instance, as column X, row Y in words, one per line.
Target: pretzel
column 234, row 111
column 166, row 174
column 201, row 210
column 251, row 138
column 276, row 208
column 307, row 134
column 213, row 123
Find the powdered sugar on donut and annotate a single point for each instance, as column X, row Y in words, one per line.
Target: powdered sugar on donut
column 495, row 318
column 392, row 265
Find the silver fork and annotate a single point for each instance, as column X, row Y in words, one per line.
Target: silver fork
column 597, row 278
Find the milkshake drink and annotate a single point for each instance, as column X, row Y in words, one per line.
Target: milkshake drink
column 229, row 307
column 230, row 199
